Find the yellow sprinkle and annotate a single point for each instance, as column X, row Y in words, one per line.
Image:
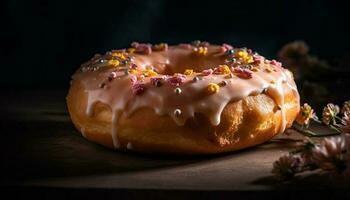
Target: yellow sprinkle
column 133, row 71
column 114, row 63
column 255, row 69
column 130, row 50
column 150, row 73
column 213, row 88
column 188, row 72
column 201, row 50
column 242, row 54
column 119, row 55
column 268, row 69
column 230, row 75
column 225, row 69
column 273, row 81
column 245, row 57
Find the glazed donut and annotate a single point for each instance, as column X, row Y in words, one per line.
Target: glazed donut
column 186, row 99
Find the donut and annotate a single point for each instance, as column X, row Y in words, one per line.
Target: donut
column 191, row 98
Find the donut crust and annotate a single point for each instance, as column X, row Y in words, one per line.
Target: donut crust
column 248, row 122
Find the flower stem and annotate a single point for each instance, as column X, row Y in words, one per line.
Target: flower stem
column 310, row 133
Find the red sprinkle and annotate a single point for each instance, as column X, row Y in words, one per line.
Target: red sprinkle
column 138, row 88
column 133, row 66
column 156, row 81
column 243, row 73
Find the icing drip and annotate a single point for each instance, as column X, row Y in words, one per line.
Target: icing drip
column 183, row 96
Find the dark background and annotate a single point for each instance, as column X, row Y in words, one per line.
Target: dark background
column 43, row 42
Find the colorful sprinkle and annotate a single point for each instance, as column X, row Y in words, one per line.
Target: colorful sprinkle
column 275, row 63
column 160, row 47
column 119, row 55
column 227, row 46
column 157, row 81
column 114, row 63
column 222, row 83
column 176, row 80
column 177, row 91
column 245, row 57
column 150, row 73
column 222, row 69
column 243, row 73
column 131, row 50
column 207, row 72
column 201, row 51
column 188, row 72
column 213, row 88
column 112, row 76
column 177, row 112
column 138, row 88
column 258, row 59
column 195, row 79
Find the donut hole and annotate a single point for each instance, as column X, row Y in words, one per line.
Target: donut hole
column 180, row 63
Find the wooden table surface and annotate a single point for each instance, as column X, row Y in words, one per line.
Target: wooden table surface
column 40, row 148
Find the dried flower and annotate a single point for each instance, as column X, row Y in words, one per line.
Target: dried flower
column 346, row 107
column 329, row 113
column 286, row 166
column 345, row 128
column 329, row 155
column 306, row 152
column 306, row 113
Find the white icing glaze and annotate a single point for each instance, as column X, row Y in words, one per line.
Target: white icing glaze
column 192, row 98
